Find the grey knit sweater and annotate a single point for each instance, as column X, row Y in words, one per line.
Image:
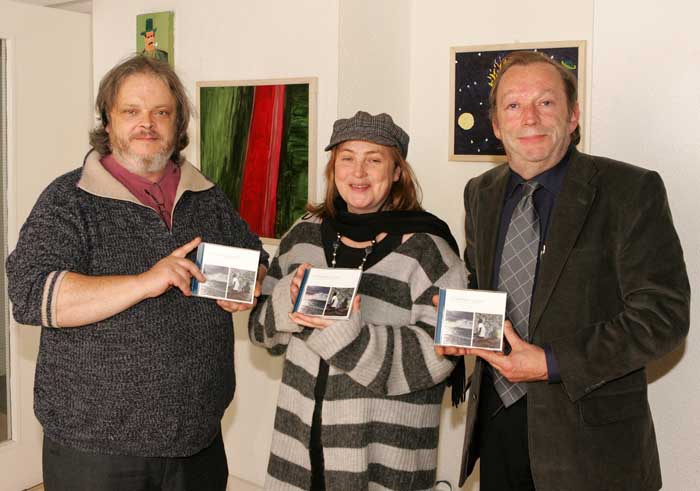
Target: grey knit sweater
column 381, row 410
column 155, row 379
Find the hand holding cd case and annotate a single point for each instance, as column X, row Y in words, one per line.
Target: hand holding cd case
column 328, row 293
column 471, row 319
column 230, row 272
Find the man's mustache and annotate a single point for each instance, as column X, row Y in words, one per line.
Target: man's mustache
column 145, row 134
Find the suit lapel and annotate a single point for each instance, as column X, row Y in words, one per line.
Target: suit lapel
column 490, row 201
column 569, row 214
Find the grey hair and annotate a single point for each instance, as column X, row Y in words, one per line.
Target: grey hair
column 109, row 88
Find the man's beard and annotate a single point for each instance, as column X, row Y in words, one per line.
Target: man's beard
column 140, row 164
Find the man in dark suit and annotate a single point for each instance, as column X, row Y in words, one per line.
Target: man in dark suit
column 608, row 289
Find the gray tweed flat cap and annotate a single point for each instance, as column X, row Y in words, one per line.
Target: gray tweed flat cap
column 379, row 129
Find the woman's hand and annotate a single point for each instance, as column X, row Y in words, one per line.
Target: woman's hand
column 316, row 322
column 312, row 321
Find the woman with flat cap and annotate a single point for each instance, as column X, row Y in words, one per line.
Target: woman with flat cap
column 359, row 403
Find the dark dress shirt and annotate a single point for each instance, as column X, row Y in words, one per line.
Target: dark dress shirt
column 544, row 199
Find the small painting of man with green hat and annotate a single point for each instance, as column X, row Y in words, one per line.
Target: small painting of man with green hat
column 149, row 25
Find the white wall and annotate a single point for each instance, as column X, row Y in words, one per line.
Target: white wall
column 233, row 40
column 390, row 55
column 238, row 40
column 49, row 117
column 643, row 107
column 374, row 58
column 435, row 27
column 646, row 110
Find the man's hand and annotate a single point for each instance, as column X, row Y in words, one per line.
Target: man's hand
column 172, row 271
column 452, row 351
column 84, row 299
column 233, row 307
column 525, row 363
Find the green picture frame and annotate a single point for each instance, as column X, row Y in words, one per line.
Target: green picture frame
column 154, row 36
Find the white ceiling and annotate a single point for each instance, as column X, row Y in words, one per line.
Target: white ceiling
column 84, row 6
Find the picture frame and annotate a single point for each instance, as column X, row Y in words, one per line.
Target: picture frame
column 155, row 36
column 472, row 71
column 256, row 139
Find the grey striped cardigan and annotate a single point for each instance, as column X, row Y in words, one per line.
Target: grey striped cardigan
column 381, row 410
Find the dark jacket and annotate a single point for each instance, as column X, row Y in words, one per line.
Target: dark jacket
column 611, row 296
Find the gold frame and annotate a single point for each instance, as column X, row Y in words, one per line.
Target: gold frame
column 581, row 67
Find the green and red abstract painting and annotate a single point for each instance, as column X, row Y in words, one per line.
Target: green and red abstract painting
column 254, row 143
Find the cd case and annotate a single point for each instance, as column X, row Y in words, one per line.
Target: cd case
column 471, row 319
column 328, row 293
column 230, row 272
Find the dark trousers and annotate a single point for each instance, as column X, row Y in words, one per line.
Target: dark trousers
column 67, row 469
column 502, row 439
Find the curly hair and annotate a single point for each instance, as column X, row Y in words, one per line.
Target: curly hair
column 109, row 88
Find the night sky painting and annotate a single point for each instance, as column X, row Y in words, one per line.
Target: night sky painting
column 472, row 137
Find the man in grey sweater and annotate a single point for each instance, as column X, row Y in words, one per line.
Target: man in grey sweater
column 134, row 374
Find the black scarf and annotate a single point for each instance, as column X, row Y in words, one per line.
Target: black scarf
column 362, row 227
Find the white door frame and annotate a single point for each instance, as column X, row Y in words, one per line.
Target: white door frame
column 49, row 114
column 20, row 455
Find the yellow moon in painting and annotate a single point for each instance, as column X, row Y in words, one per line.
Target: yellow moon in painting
column 466, row 121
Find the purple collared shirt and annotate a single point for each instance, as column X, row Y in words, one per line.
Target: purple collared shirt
column 157, row 195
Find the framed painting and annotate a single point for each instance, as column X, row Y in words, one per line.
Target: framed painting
column 154, row 36
column 473, row 70
column 257, row 142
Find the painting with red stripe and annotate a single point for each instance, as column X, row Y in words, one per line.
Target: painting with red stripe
column 255, row 142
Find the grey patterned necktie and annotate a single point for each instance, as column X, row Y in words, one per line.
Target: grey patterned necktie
column 517, row 276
